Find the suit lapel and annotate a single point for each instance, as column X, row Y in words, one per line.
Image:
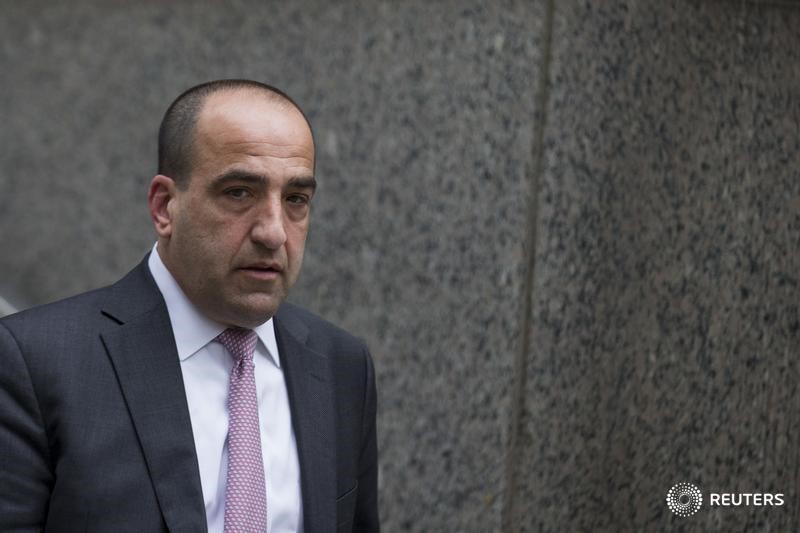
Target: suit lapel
column 308, row 382
column 142, row 349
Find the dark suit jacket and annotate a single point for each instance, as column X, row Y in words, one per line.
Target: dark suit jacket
column 95, row 432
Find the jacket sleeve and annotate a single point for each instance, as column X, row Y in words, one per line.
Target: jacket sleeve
column 25, row 474
column 366, row 515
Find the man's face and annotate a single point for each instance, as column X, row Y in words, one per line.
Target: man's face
column 237, row 231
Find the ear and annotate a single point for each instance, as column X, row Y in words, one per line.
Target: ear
column 162, row 191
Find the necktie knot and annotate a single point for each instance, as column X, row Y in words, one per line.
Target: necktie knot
column 240, row 342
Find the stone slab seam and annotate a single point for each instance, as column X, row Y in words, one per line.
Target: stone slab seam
column 541, row 97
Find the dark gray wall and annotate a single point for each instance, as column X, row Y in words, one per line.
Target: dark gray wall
column 568, row 230
column 664, row 309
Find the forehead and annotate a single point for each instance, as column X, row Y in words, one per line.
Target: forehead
column 252, row 122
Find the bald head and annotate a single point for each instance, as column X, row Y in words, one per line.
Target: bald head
column 177, row 133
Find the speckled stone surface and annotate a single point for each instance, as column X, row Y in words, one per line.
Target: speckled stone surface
column 426, row 147
column 665, row 302
column 425, row 150
column 424, row 120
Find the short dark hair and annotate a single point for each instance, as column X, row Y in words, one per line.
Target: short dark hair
column 176, row 133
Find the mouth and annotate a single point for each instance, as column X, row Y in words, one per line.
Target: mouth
column 262, row 271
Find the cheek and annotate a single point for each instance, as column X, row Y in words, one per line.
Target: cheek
column 296, row 238
column 207, row 239
column 209, row 223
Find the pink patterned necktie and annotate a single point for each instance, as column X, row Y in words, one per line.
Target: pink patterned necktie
column 245, row 492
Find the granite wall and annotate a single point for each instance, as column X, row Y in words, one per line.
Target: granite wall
column 566, row 229
column 664, row 302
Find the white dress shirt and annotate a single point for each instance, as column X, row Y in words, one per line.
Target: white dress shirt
column 206, row 368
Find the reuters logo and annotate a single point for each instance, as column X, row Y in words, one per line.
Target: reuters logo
column 684, row 499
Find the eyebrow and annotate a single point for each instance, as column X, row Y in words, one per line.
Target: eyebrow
column 302, row 182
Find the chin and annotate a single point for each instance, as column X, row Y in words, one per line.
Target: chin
column 252, row 316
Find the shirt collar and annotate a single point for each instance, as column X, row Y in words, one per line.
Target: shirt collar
column 192, row 329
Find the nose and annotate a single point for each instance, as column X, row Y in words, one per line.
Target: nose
column 268, row 226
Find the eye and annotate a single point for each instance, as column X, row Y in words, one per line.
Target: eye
column 298, row 199
column 237, row 193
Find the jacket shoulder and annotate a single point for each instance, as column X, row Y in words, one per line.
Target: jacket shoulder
column 312, row 320
column 319, row 332
column 135, row 293
column 72, row 309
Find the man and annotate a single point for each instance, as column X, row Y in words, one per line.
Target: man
column 189, row 396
